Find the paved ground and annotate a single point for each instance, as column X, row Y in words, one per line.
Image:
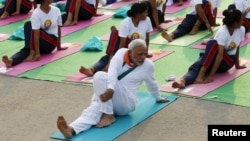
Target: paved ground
column 29, row 109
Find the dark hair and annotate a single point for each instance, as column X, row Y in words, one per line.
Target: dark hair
column 38, row 1
column 137, row 8
column 231, row 16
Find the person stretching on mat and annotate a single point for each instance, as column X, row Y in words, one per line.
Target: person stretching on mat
column 221, row 53
column 244, row 7
column 79, row 10
column 136, row 25
column 42, row 34
column 115, row 91
column 200, row 12
column 177, row 2
column 156, row 12
column 16, row 7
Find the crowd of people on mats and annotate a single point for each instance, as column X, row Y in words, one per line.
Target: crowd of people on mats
column 117, row 74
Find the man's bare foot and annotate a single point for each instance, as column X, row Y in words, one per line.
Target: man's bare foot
column 5, row 15
column 166, row 36
column 178, row 84
column 106, row 120
column 64, row 128
column 15, row 13
column 87, row 71
column 8, row 62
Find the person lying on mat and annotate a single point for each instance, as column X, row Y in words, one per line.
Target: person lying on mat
column 199, row 18
column 221, row 53
column 244, row 7
column 156, row 12
column 42, row 34
column 107, row 2
column 115, row 91
column 136, row 25
column 79, row 10
column 16, row 7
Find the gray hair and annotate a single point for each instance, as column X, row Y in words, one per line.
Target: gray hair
column 137, row 43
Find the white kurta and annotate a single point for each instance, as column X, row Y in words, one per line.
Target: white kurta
column 125, row 98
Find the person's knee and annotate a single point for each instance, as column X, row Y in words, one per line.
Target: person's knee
column 100, row 75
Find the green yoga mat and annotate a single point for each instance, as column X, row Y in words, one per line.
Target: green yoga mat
column 235, row 92
column 145, row 108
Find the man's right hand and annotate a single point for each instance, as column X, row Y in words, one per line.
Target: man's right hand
column 107, row 95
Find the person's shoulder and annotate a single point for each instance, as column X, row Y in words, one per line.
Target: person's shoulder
column 148, row 62
column 121, row 51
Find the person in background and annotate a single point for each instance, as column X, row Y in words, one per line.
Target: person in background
column 221, row 54
column 214, row 7
column 115, row 91
column 156, row 12
column 200, row 11
column 42, row 34
column 16, row 7
column 244, row 7
column 136, row 25
column 79, row 10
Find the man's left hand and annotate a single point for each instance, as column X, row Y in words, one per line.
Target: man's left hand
column 107, row 95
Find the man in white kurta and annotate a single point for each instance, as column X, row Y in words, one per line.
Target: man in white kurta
column 116, row 97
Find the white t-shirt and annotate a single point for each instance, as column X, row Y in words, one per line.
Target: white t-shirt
column 242, row 5
column 49, row 22
column 230, row 42
column 193, row 3
column 128, row 30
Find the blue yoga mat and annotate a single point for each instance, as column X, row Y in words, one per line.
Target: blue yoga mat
column 145, row 108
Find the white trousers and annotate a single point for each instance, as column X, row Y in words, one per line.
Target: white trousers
column 120, row 104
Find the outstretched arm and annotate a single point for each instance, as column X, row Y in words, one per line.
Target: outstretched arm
column 59, row 40
column 238, row 64
column 202, row 15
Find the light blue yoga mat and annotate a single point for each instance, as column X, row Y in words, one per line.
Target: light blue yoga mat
column 146, row 107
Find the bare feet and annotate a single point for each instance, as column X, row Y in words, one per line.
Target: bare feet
column 201, row 76
column 194, row 30
column 64, row 128
column 67, row 23
column 178, row 84
column 15, row 13
column 105, row 121
column 74, row 22
column 8, row 62
column 31, row 56
column 5, row 15
column 166, row 36
column 87, row 71
column 179, row 3
column 36, row 57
